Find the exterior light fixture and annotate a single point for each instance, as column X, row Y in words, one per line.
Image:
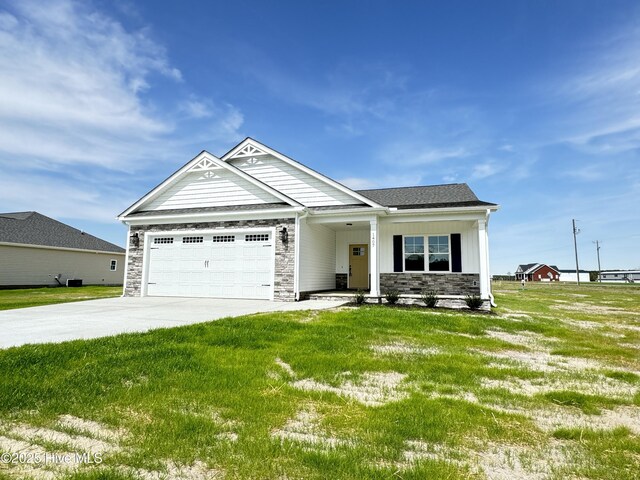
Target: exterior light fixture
column 284, row 235
column 135, row 240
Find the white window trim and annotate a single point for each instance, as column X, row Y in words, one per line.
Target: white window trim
column 113, row 263
column 426, row 253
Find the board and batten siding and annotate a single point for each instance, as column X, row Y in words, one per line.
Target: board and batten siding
column 468, row 233
column 293, row 182
column 317, row 257
column 37, row 266
column 344, row 238
column 213, row 188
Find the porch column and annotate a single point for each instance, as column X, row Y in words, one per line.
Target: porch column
column 374, row 258
column 484, row 263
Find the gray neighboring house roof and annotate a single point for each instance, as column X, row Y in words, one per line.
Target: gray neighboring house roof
column 32, row 228
column 430, row 196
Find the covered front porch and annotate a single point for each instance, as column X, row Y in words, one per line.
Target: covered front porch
column 442, row 253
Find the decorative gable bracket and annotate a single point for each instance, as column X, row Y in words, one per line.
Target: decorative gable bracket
column 248, row 151
column 204, row 165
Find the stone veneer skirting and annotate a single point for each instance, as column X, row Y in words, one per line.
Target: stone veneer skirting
column 440, row 283
column 341, row 281
column 285, row 256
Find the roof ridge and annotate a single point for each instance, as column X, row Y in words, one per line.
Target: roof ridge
column 410, row 186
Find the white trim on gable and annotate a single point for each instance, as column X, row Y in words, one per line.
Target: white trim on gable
column 242, row 150
column 206, row 162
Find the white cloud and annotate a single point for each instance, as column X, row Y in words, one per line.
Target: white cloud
column 486, row 169
column 77, row 113
column 72, row 89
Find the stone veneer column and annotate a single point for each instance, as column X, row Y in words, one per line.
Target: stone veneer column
column 284, row 253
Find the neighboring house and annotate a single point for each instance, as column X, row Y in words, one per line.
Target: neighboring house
column 620, row 276
column 538, row 272
column 570, row 276
column 37, row 251
column 257, row 224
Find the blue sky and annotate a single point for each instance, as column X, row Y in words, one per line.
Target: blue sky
column 534, row 104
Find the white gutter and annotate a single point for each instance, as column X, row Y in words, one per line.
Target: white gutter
column 365, row 211
column 413, row 211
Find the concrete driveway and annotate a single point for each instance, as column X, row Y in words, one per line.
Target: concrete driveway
column 111, row 316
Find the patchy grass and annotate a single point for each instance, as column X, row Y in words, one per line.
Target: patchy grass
column 530, row 392
column 33, row 297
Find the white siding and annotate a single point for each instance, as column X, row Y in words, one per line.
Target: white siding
column 38, row 266
column 343, row 239
column 293, row 182
column 571, row 277
column 467, row 230
column 195, row 189
column 317, row 257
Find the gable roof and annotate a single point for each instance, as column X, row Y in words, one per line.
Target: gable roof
column 33, row 228
column 532, row 267
column 430, row 196
column 250, row 146
column 211, row 161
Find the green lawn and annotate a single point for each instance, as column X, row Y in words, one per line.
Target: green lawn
column 33, row 297
column 546, row 387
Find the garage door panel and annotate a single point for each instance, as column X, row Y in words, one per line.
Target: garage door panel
column 233, row 268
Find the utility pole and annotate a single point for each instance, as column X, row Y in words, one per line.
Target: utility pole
column 575, row 248
column 597, row 242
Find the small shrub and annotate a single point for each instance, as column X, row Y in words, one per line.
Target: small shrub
column 474, row 302
column 429, row 298
column 359, row 297
column 392, row 296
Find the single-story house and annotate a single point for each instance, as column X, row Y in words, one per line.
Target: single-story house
column 620, row 276
column 570, row 276
column 537, row 272
column 255, row 223
column 36, row 250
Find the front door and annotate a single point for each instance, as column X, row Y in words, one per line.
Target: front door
column 359, row 266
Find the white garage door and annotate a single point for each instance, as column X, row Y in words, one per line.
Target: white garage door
column 219, row 264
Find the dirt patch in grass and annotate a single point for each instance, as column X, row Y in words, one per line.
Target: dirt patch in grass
column 64, row 452
column 588, row 385
column 305, row 428
column 198, row 470
column 403, row 349
column 286, row 367
column 526, row 339
column 593, row 309
column 495, row 461
column 372, row 389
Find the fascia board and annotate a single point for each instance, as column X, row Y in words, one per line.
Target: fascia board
column 213, row 216
column 69, row 249
column 302, row 167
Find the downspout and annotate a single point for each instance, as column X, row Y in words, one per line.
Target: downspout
column 491, row 298
column 296, row 256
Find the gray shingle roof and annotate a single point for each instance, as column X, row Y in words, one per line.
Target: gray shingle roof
column 226, row 208
column 430, row 196
column 32, row 228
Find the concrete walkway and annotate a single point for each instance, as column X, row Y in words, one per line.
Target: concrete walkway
column 111, row 316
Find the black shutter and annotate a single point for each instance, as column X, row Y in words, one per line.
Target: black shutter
column 397, row 253
column 456, row 253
